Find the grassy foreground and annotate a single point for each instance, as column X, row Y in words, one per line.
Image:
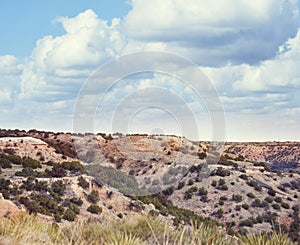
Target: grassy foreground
column 27, row 229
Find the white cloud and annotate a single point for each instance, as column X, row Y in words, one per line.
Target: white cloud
column 215, row 32
column 10, row 70
column 88, row 42
column 238, row 34
column 9, row 65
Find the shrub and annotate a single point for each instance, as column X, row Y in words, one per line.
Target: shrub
column 278, row 199
column 221, row 202
column 188, row 195
column 285, row 205
column 245, row 206
column 57, row 217
column 169, row 191
column 58, row 187
column 221, row 182
column 29, row 172
column 57, row 171
column 244, row 176
column 214, row 183
column 82, row 182
column 76, row 201
column 202, row 155
column 251, row 195
column 190, row 182
column 69, row 215
column 202, row 191
column 221, row 172
column 74, row 167
column 276, row 206
column 258, row 188
column 13, row 159
column 259, row 204
column 4, row 163
column 223, row 187
column 94, row 209
column 237, row 198
column 204, row 198
column 238, row 207
column 220, row 213
column 30, row 163
column 252, row 183
column 271, row 192
column 180, row 185
column 246, row 222
column 259, row 219
column 223, row 198
column 93, row 196
column 269, row 199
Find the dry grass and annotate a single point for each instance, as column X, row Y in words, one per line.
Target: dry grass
column 25, row 229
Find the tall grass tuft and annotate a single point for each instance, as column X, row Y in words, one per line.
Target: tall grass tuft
column 265, row 239
column 142, row 230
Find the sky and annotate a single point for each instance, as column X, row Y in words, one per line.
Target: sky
column 248, row 51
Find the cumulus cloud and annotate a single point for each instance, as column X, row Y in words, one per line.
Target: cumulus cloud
column 10, row 70
column 215, row 32
column 249, row 50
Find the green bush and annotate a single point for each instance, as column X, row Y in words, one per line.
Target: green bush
column 259, row 219
column 188, row 195
column 214, row 183
column 169, row 191
column 57, row 171
column 204, row 199
column 221, row 182
column 259, row 204
column 93, row 197
column 238, row 207
column 271, row 192
column 237, row 197
column 220, row 172
column 202, row 191
column 4, row 163
column 245, row 206
column 276, row 206
column 285, row 205
column 250, row 195
column 220, row 213
column 76, row 201
column 223, row 187
column 74, row 167
column 82, row 182
column 243, row 176
column 58, row 187
column 94, row 209
column 69, row 215
column 30, row 172
column 269, row 199
column 246, row 222
column 30, row 163
column 190, row 182
column 202, row 155
column 57, row 218
column 180, row 185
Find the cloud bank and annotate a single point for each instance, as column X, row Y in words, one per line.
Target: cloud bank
column 249, row 50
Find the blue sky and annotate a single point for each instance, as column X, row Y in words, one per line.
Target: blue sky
column 250, row 52
column 24, row 22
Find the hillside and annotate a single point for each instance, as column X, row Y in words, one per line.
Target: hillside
column 64, row 177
